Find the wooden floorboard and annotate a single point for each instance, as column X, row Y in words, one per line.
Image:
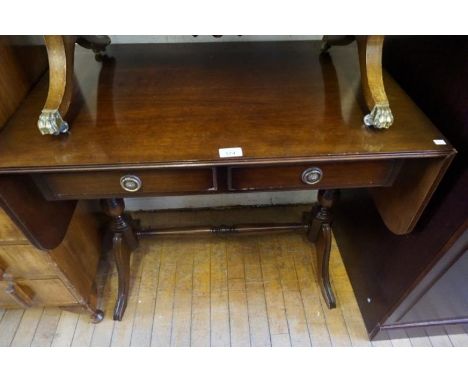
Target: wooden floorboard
column 162, row 320
column 384, row 340
column 276, row 309
column 182, row 308
column 238, row 309
column 27, row 327
column 219, row 316
column 102, row 334
column 303, row 255
column 399, row 338
column 122, row 331
column 418, row 337
column 47, row 327
column 65, row 330
column 201, row 298
column 254, row 290
column 143, row 322
column 438, row 336
column 9, row 324
column 458, row 337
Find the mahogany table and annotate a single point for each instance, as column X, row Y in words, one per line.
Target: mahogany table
column 220, row 118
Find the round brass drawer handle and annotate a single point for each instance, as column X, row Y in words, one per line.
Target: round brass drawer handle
column 130, row 183
column 312, row 175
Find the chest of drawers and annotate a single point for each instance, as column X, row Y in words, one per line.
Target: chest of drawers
column 64, row 277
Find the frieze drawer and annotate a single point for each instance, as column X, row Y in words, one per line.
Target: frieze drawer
column 99, row 184
column 318, row 175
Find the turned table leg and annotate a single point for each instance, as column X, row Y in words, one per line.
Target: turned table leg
column 121, row 240
column 319, row 232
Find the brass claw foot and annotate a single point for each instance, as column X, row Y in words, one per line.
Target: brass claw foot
column 380, row 117
column 51, row 122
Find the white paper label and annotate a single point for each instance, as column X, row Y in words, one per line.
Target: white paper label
column 230, row 152
column 439, row 142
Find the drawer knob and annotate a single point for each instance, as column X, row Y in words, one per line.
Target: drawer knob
column 312, row 175
column 130, row 183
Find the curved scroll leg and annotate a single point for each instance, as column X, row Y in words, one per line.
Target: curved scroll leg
column 124, row 241
column 319, row 232
column 121, row 255
column 370, row 58
column 61, row 52
column 323, row 246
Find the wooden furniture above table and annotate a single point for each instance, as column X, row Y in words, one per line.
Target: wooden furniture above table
column 151, row 120
column 61, row 55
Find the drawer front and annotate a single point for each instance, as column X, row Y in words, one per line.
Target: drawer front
column 314, row 176
column 23, row 293
column 98, row 184
column 25, row 261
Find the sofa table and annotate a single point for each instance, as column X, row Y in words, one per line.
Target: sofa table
column 171, row 119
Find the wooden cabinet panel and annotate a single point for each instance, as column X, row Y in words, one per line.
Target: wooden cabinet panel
column 342, row 175
column 25, row 261
column 97, row 184
column 50, row 292
column 8, row 230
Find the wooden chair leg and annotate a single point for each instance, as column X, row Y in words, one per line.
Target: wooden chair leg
column 370, row 58
column 61, row 52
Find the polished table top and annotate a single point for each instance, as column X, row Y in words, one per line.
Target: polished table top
column 176, row 104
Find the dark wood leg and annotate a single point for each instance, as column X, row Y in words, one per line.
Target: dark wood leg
column 121, row 255
column 124, row 241
column 323, row 247
column 319, row 232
